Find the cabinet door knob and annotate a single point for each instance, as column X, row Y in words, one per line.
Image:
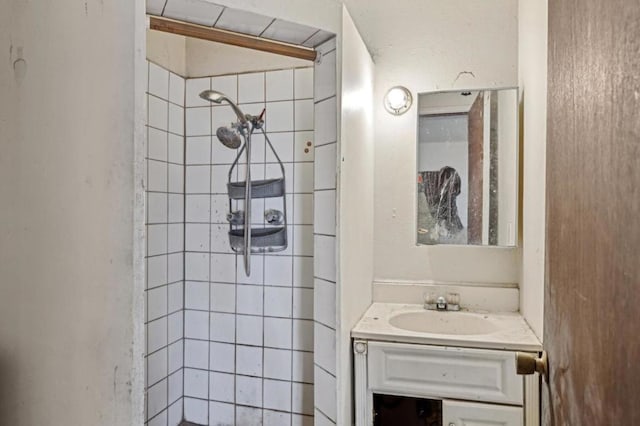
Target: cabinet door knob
column 528, row 364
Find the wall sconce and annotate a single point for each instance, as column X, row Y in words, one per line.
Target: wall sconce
column 398, row 100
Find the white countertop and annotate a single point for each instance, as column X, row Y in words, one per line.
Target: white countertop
column 509, row 330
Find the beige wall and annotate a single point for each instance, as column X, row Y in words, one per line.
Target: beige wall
column 70, row 343
column 168, row 50
column 433, row 45
column 533, row 83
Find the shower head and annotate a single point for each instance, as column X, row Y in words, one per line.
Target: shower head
column 228, row 137
column 217, row 97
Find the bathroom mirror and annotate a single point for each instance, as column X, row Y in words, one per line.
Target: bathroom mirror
column 467, row 167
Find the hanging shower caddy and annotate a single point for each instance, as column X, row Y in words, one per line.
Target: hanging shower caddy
column 244, row 237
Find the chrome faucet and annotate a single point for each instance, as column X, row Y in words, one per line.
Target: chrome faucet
column 440, row 303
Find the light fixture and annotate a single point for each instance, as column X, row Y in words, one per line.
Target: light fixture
column 398, row 100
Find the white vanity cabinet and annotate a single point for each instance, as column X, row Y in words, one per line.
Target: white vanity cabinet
column 476, row 386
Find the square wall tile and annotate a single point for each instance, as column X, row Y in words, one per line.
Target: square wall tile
column 197, row 237
column 156, row 271
column 156, row 366
column 196, row 354
column 277, row 395
column 303, row 272
column 325, row 257
column 156, row 334
column 249, row 299
column 249, row 391
column 277, row 364
column 325, row 302
column 176, row 149
column 227, row 84
column 176, row 119
column 325, row 347
column 198, row 121
column 325, row 76
column 176, row 386
column 279, row 116
column 176, row 178
column 176, row 267
column 278, row 270
column 249, row 360
column 176, row 89
column 303, row 209
column 325, row 167
column 223, row 268
column 303, row 146
column 303, row 110
column 221, row 413
column 249, row 330
column 176, row 297
column 251, row 88
column 157, row 206
column 176, row 238
column 256, row 277
column 303, row 335
column 303, row 303
column 157, row 176
column 176, row 356
column 302, row 367
column 302, row 398
column 176, row 208
column 196, row 325
column 198, row 179
column 223, row 297
column 222, row 357
column 156, row 398
column 248, row 416
column 278, row 302
column 156, row 240
column 279, row 85
column 275, row 418
column 303, row 83
column 283, row 145
column 176, row 414
column 277, row 333
column 196, row 266
column 325, row 392
column 198, row 150
column 221, row 387
column 158, row 113
column 196, row 410
column 197, row 295
column 303, row 178
column 325, row 212
column 196, row 383
column 157, row 144
column 158, row 81
column 156, row 303
column 303, row 240
column 195, row 86
column 175, row 324
column 198, row 208
column 326, row 122
column 223, row 327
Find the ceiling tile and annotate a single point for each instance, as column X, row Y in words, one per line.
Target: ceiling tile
column 318, row 38
column 243, row 22
column 154, row 7
column 195, row 11
column 288, row 32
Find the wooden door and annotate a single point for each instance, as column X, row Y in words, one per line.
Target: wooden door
column 592, row 294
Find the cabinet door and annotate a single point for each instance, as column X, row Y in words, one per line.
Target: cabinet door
column 456, row 413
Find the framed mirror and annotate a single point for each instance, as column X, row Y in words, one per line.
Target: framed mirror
column 467, row 167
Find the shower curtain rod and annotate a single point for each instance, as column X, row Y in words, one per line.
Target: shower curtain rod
column 229, row 37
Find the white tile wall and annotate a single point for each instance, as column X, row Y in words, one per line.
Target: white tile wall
column 324, row 205
column 165, row 246
column 253, row 335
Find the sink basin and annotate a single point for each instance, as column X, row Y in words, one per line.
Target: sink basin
column 434, row 322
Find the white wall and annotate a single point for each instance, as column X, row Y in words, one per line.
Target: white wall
column 355, row 218
column 70, row 309
column 533, row 83
column 428, row 51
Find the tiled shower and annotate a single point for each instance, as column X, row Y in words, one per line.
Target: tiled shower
column 224, row 348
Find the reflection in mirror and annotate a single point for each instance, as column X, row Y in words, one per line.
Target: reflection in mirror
column 468, row 167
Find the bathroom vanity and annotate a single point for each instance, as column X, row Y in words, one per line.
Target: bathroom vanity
column 459, row 366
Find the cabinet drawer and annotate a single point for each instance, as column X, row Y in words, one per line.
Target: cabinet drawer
column 444, row 372
column 458, row 413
